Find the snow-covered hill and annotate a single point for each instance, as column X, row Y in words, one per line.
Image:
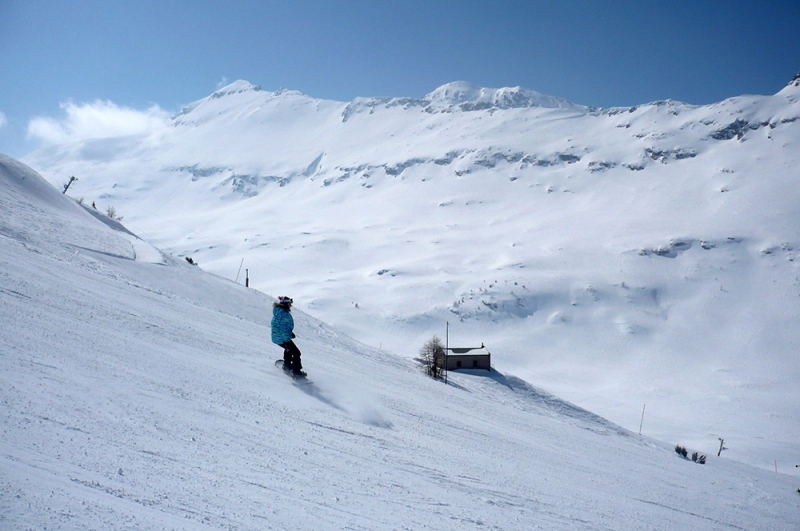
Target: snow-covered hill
column 139, row 393
column 616, row 257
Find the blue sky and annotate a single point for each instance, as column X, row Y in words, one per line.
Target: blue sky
column 145, row 54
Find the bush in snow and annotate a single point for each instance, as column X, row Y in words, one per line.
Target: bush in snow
column 111, row 212
column 432, row 357
column 698, row 458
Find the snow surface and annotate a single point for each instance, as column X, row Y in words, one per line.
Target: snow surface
column 624, row 258
column 141, row 394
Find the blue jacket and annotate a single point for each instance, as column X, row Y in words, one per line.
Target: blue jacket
column 282, row 325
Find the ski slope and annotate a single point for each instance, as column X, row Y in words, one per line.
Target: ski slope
column 625, row 259
column 141, row 394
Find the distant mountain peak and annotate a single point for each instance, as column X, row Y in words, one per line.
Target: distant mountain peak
column 240, row 86
column 237, row 87
column 456, row 92
column 468, row 97
column 283, row 91
column 792, row 88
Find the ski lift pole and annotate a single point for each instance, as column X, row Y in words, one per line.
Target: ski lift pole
column 446, row 350
column 72, row 179
column 642, row 421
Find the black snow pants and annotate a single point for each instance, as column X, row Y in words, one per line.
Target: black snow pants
column 291, row 356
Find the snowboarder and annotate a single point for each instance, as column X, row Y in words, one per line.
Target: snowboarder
column 283, row 333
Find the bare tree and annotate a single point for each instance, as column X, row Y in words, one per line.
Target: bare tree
column 432, row 356
column 111, row 212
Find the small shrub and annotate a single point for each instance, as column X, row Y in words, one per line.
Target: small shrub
column 701, row 459
column 681, row 451
column 111, row 212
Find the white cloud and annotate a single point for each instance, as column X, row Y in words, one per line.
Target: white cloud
column 222, row 82
column 3, row 119
column 100, row 119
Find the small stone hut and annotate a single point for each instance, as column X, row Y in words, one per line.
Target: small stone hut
column 469, row 358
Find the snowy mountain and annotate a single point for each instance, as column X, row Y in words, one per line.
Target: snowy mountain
column 625, row 259
column 138, row 392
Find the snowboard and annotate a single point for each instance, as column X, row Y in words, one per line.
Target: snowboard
column 300, row 378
